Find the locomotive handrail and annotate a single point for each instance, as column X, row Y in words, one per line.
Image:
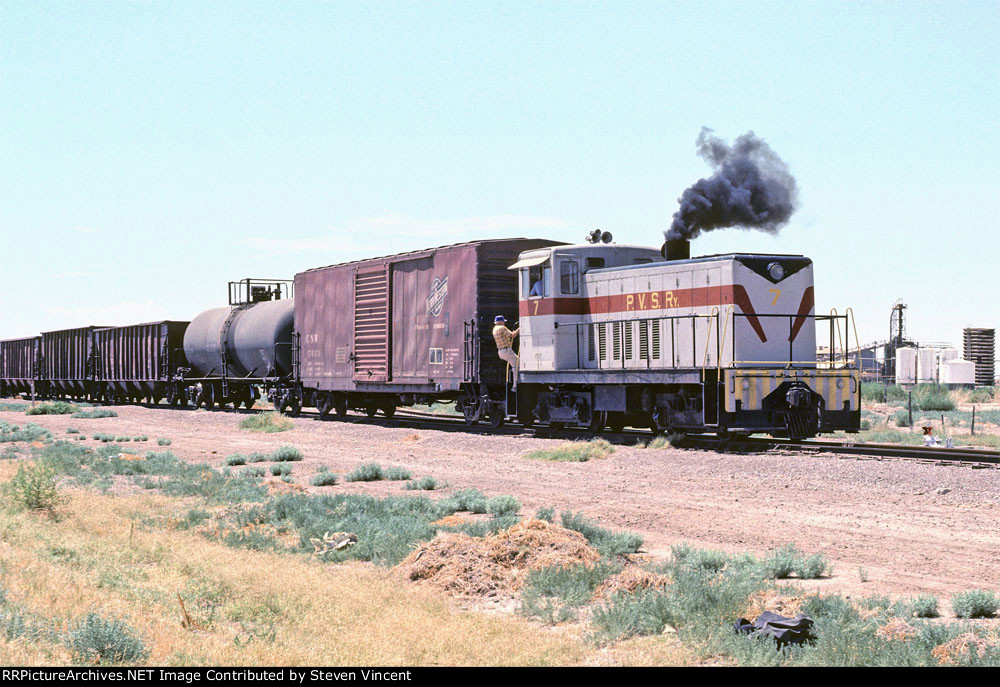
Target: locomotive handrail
column 708, row 339
column 840, row 337
column 729, row 313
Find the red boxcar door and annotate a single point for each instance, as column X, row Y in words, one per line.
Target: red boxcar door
column 371, row 325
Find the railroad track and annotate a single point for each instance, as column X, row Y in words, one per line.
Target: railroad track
column 964, row 455
column 976, row 457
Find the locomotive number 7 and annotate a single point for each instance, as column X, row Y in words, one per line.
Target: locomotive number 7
column 777, row 294
column 536, row 308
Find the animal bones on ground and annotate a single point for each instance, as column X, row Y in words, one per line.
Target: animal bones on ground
column 333, row 542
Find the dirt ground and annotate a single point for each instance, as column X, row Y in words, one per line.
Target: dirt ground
column 889, row 527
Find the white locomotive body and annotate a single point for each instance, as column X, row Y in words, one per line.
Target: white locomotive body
column 725, row 343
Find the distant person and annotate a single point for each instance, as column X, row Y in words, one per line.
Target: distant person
column 536, row 289
column 505, row 340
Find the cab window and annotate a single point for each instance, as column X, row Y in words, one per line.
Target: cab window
column 536, row 281
column 569, row 277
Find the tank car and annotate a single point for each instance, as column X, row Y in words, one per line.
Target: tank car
column 234, row 352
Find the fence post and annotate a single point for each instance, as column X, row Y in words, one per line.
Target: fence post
column 910, row 393
column 973, row 420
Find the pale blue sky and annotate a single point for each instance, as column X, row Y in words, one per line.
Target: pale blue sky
column 154, row 151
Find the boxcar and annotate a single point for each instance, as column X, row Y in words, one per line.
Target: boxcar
column 18, row 365
column 138, row 361
column 405, row 328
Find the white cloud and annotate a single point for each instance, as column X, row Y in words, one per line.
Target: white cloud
column 372, row 236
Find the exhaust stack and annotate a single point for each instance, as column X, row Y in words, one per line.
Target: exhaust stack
column 676, row 249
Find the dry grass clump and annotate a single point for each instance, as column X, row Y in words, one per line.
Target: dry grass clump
column 267, row 422
column 897, row 629
column 470, row 566
column 773, row 600
column 958, row 650
column 631, row 580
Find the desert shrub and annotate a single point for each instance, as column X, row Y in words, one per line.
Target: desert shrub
column 901, row 418
column 976, row 603
column 236, row 459
column 94, row 414
column 104, row 438
column 424, row 483
column 551, row 594
column 471, row 500
column 627, row 615
column 258, row 457
column 502, row 505
column 97, row 640
column 387, row 528
column 608, row 543
column 163, row 441
column 56, row 408
column 704, row 559
column 786, row 560
column 281, row 469
column 983, row 394
column 193, row 518
column 812, row 567
column 30, row 432
column 658, row 442
column 286, row 453
column 546, row 514
column 576, row 451
column 34, row 487
column 14, row 407
column 366, row 472
column 270, row 421
column 574, row 585
column 254, row 471
column 323, row 479
column 924, row 606
column 72, row 430
column 397, row 474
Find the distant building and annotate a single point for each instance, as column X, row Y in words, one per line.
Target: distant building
column 980, row 348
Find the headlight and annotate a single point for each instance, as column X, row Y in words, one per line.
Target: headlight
column 776, row 271
column 746, row 384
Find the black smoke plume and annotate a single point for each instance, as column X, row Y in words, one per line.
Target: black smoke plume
column 750, row 188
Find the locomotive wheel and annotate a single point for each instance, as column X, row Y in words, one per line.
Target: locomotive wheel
column 248, row 401
column 389, row 409
column 598, row 419
column 371, row 410
column 340, row 405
